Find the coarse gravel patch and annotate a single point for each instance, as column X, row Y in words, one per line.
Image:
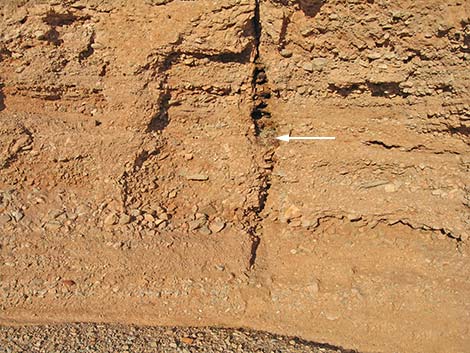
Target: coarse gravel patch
column 87, row 338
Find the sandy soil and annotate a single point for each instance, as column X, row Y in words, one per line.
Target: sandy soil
column 141, row 181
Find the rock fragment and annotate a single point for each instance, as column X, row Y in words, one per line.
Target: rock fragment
column 319, row 63
column 149, row 218
column 124, row 219
column 291, row 213
column 52, row 226
column 197, row 177
column 285, row 53
column 204, row 230
column 17, row 215
column 389, row 188
column 111, row 219
column 4, row 218
column 217, row 225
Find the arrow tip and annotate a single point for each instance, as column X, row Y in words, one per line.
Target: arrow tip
column 285, row 138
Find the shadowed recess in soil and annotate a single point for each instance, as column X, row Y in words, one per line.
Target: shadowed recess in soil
column 160, row 120
column 2, row 102
column 263, row 131
column 309, row 7
column 2, row 98
column 460, row 130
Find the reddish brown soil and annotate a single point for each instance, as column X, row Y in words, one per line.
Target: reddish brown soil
column 141, row 181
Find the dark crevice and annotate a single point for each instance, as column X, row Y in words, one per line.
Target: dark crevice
column 143, row 157
column 391, row 223
column 381, row 144
column 161, row 119
column 123, row 182
column 465, row 36
column 85, row 54
column 171, row 58
column 57, row 19
column 4, row 52
column 309, row 7
column 343, row 91
column 243, row 57
column 258, row 76
column 418, row 148
column 283, row 35
column 415, row 53
column 2, row 98
column 443, row 231
column 260, row 91
column 254, row 216
column 255, row 241
column 261, row 94
column 256, row 29
column 460, row 131
column 445, row 88
column 103, row 71
column 54, row 20
column 384, row 89
column 53, row 37
column 14, row 155
column 260, row 117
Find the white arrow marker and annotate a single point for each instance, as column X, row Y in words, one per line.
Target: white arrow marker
column 287, row 138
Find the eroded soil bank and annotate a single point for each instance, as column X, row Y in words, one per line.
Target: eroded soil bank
column 141, row 181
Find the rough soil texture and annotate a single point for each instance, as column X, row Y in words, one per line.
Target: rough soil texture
column 87, row 338
column 141, row 182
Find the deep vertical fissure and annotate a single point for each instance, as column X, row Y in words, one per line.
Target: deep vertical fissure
column 257, row 29
column 260, row 116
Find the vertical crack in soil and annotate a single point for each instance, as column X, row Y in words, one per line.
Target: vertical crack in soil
column 282, row 37
column 255, row 228
column 161, row 119
column 2, row 96
column 257, row 29
column 263, row 128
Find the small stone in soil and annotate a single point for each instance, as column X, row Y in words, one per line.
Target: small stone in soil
column 197, row 177
column 4, row 218
column 124, row 219
column 216, row 226
column 17, row 215
column 204, row 230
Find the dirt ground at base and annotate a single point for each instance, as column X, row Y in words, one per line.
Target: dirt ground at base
column 71, row 338
column 141, row 181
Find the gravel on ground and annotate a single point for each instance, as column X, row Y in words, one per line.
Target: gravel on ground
column 87, row 338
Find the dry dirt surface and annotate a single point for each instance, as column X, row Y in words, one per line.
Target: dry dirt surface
column 141, row 181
